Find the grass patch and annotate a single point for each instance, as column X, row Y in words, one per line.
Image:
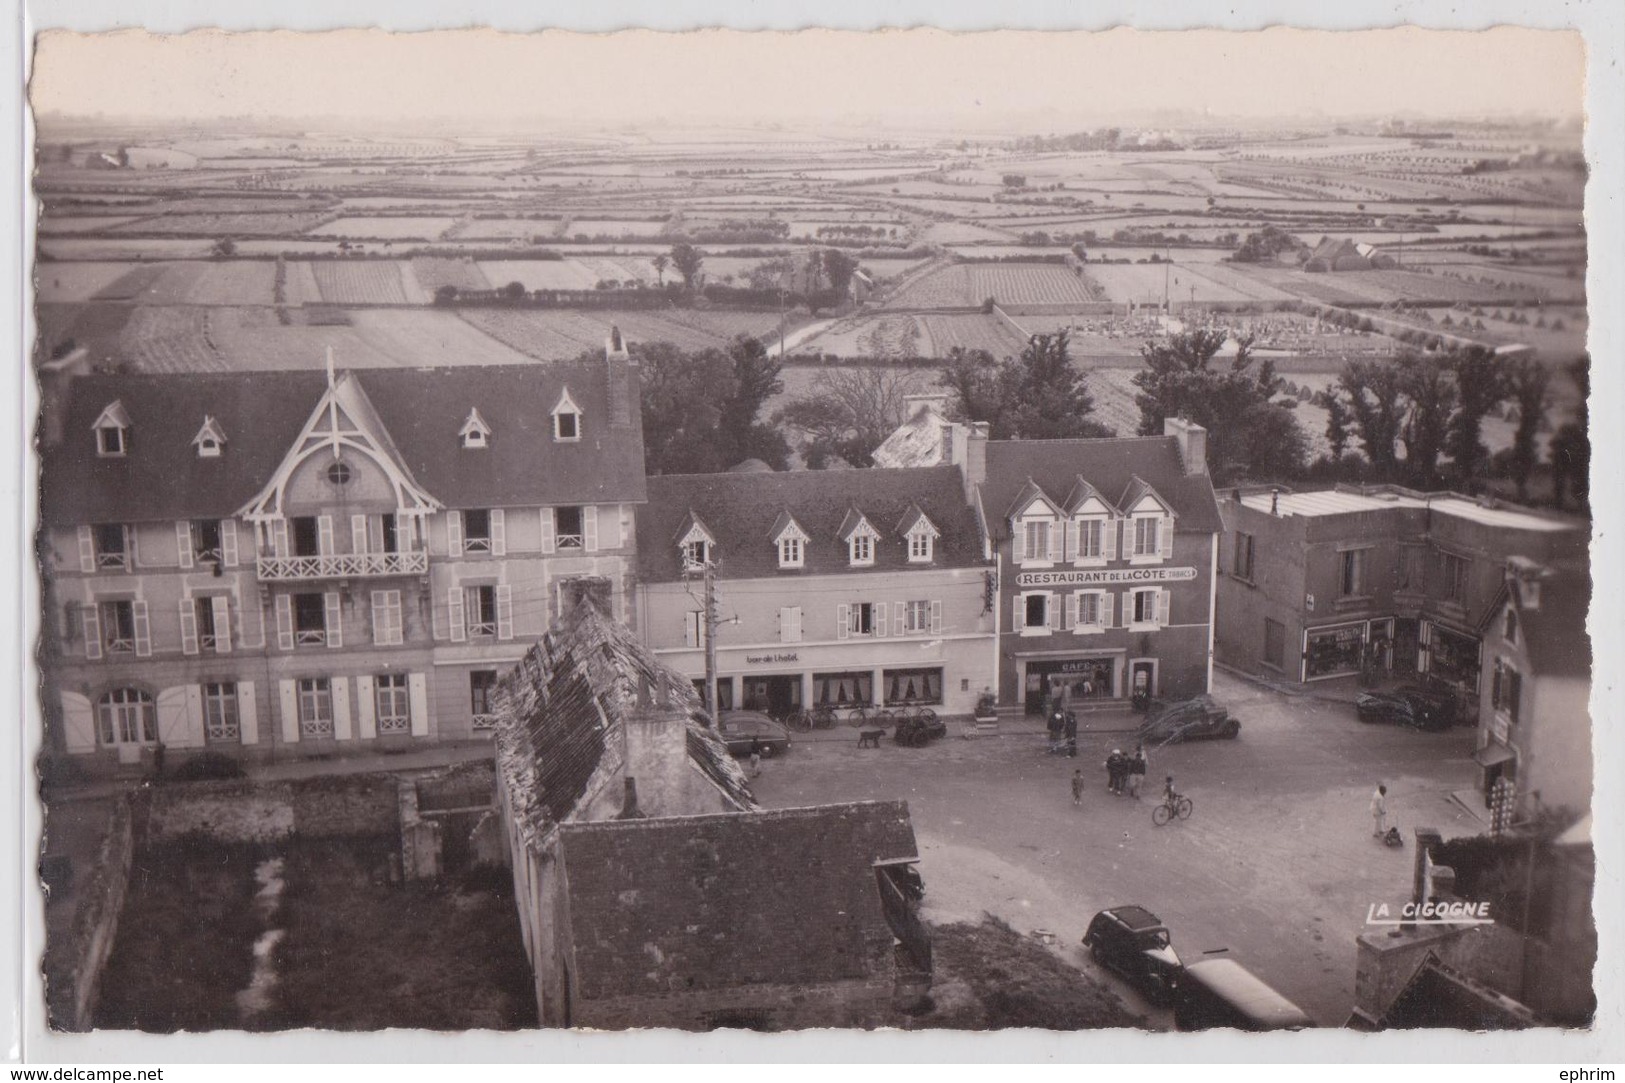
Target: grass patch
column 362, row 953
column 989, row 977
column 185, row 939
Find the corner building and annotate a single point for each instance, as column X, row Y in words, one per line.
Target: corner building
column 303, row 563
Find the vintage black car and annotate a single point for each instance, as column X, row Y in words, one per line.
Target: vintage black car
column 1191, row 720
column 919, row 731
column 1410, row 705
column 745, row 732
column 1134, row 942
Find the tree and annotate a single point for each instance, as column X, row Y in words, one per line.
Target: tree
column 849, row 413
column 1527, row 381
column 1571, row 444
column 1266, row 244
column 445, row 295
column 1481, row 383
column 688, row 260
column 225, row 246
column 1374, row 391
column 1337, row 422
column 1235, row 402
column 513, row 291
column 661, row 262
column 838, row 268
column 681, row 401
column 1426, row 382
column 1037, row 396
column 755, row 380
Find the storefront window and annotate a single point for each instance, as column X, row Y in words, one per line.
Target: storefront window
column 843, row 689
column 1334, row 652
column 1454, row 658
column 913, row 686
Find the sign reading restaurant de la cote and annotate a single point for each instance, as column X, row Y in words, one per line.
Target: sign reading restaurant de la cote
column 1103, row 577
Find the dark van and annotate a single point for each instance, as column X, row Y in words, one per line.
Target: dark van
column 1223, row 993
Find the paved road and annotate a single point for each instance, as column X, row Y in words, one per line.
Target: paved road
column 1277, row 864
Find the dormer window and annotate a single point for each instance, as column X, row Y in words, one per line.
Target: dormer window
column 566, row 418
column 862, row 549
column 113, row 431
column 210, row 441
column 792, row 552
column 695, row 545
column 860, row 538
column 475, row 433
column 919, row 547
column 696, row 554
column 791, row 541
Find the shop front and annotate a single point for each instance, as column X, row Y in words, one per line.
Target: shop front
column 1335, row 650
column 1451, row 658
column 1087, row 677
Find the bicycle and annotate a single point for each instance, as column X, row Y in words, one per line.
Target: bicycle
column 1177, row 805
column 799, row 720
column 864, row 716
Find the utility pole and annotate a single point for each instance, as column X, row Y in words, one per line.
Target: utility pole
column 711, row 638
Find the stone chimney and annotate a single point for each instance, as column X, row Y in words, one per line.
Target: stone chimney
column 975, row 464
column 619, row 362
column 1192, row 443
column 55, row 377
column 629, row 803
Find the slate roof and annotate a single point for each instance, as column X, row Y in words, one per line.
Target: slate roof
column 695, row 903
column 1109, row 464
column 1438, row 996
column 744, row 509
column 1554, row 636
column 261, row 413
column 559, row 714
column 916, row 442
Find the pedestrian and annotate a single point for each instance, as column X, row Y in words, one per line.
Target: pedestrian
column 1114, row 772
column 1077, row 786
column 1379, row 812
column 755, row 758
column 1071, row 730
column 1136, row 772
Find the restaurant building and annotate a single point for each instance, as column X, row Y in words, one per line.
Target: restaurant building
column 1372, row 580
column 833, row 588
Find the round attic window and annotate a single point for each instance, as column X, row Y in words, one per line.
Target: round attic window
column 339, row 473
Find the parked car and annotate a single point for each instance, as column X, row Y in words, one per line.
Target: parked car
column 1133, row 941
column 745, row 731
column 917, row 732
column 1190, row 720
column 1410, row 705
column 1223, row 993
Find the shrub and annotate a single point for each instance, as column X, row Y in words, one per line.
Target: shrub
column 207, row 765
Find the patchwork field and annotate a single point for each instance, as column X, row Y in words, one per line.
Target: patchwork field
column 1028, row 284
column 365, row 282
column 555, row 335
column 389, row 229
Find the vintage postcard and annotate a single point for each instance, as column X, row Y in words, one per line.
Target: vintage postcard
column 898, row 531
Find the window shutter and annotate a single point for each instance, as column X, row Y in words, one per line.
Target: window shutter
column 936, row 618
column 1108, row 609
column 228, row 542
column 222, row 623
column 192, row 718
column 617, row 537
column 550, row 530
column 1052, row 612
column 1056, row 537
column 1163, row 598
column 143, row 629
column 284, row 621
column 289, row 696
column 188, row 626
column 366, row 709
column 504, row 611
column 589, row 528
column 341, row 708
column 252, row 616
column 87, row 550
column 900, row 618
column 93, row 632
column 333, row 619
column 454, row 533
column 279, row 537
column 183, row 543
column 1015, row 613
column 380, row 619
column 784, row 625
column 78, row 723
column 324, row 534
column 1165, row 534
column 1071, row 619
column 1495, row 683
column 1018, row 541
column 1108, row 539
column 499, row 533
column 843, row 620
column 454, row 614
column 417, row 692
column 358, row 534
column 1074, row 541
column 879, row 612
column 796, row 611
column 248, row 713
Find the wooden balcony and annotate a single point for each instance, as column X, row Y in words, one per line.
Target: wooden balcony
column 343, row 566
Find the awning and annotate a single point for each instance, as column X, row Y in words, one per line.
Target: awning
column 1490, row 755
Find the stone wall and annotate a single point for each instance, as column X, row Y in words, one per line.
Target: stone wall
column 845, row 1004
column 258, row 811
column 73, row 967
column 1386, row 962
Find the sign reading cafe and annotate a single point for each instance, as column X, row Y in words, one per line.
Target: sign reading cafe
column 1103, row 577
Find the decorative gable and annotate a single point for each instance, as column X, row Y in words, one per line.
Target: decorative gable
column 921, row 534
column 791, row 540
column 1148, row 533
column 112, row 428
column 695, row 543
column 475, row 433
column 210, row 441
column 566, row 418
column 1032, row 501
column 860, row 537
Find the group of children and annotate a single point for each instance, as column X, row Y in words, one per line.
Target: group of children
column 1123, row 772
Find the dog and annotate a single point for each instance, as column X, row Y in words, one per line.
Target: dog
column 870, row 738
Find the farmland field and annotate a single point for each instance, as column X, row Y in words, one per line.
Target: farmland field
column 233, row 282
column 432, row 272
column 363, row 282
column 169, row 339
column 1028, row 284
column 57, row 223
column 75, row 281
column 973, row 332
column 226, row 225
column 389, row 229
column 539, row 274
column 560, row 335
column 944, row 287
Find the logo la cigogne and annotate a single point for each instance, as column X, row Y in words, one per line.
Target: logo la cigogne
column 1453, row 912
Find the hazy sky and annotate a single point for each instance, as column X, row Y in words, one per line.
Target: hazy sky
column 908, row 75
